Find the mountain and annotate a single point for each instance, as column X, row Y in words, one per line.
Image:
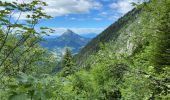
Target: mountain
column 68, row 39
column 120, row 35
column 71, row 39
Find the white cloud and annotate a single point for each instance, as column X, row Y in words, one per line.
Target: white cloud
column 123, row 6
column 103, row 13
column 80, row 31
column 97, row 18
column 72, row 18
column 65, row 7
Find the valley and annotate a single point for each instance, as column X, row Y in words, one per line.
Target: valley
column 128, row 60
column 68, row 39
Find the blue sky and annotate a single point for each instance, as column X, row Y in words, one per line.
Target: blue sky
column 93, row 19
column 83, row 16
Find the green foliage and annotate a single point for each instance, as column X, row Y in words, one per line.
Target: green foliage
column 140, row 70
column 111, row 34
column 19, row 46
column 27, row 87
column 19, row 43
column 145, row 71
column 68, row 64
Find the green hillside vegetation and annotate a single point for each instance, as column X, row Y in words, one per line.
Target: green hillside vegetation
column 122, row 27
column 130, row 60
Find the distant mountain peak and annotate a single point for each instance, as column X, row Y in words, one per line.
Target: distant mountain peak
column 69, row 32
column 67, row 39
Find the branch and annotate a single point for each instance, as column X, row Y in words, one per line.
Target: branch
column 16, row 46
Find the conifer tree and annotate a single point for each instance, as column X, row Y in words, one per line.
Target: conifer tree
column 158, row 50
column 160, row 42
column 161, row 46
column 67, row 63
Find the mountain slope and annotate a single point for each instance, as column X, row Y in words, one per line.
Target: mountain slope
column 67, row 39
column 71, row 39
column 118, row 34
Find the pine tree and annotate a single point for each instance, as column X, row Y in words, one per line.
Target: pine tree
column 67, row 63
column 160, row 42
column 158, row 53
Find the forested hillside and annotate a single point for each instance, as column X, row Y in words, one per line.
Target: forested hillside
column 120, row 29
column 130, row 60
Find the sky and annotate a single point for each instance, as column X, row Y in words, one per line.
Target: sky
column 82, row 16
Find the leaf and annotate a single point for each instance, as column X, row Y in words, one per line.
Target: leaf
column 18, row 25
column 23, row 78
column 18, row 97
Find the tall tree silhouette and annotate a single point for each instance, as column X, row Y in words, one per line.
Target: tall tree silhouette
column 67, row 63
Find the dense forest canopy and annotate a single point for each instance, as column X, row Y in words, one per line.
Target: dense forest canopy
column 130, row 60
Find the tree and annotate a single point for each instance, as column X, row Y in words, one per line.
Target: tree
column 154, row 58
column 19, row 40
column 68, row 64
column 160, row 47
